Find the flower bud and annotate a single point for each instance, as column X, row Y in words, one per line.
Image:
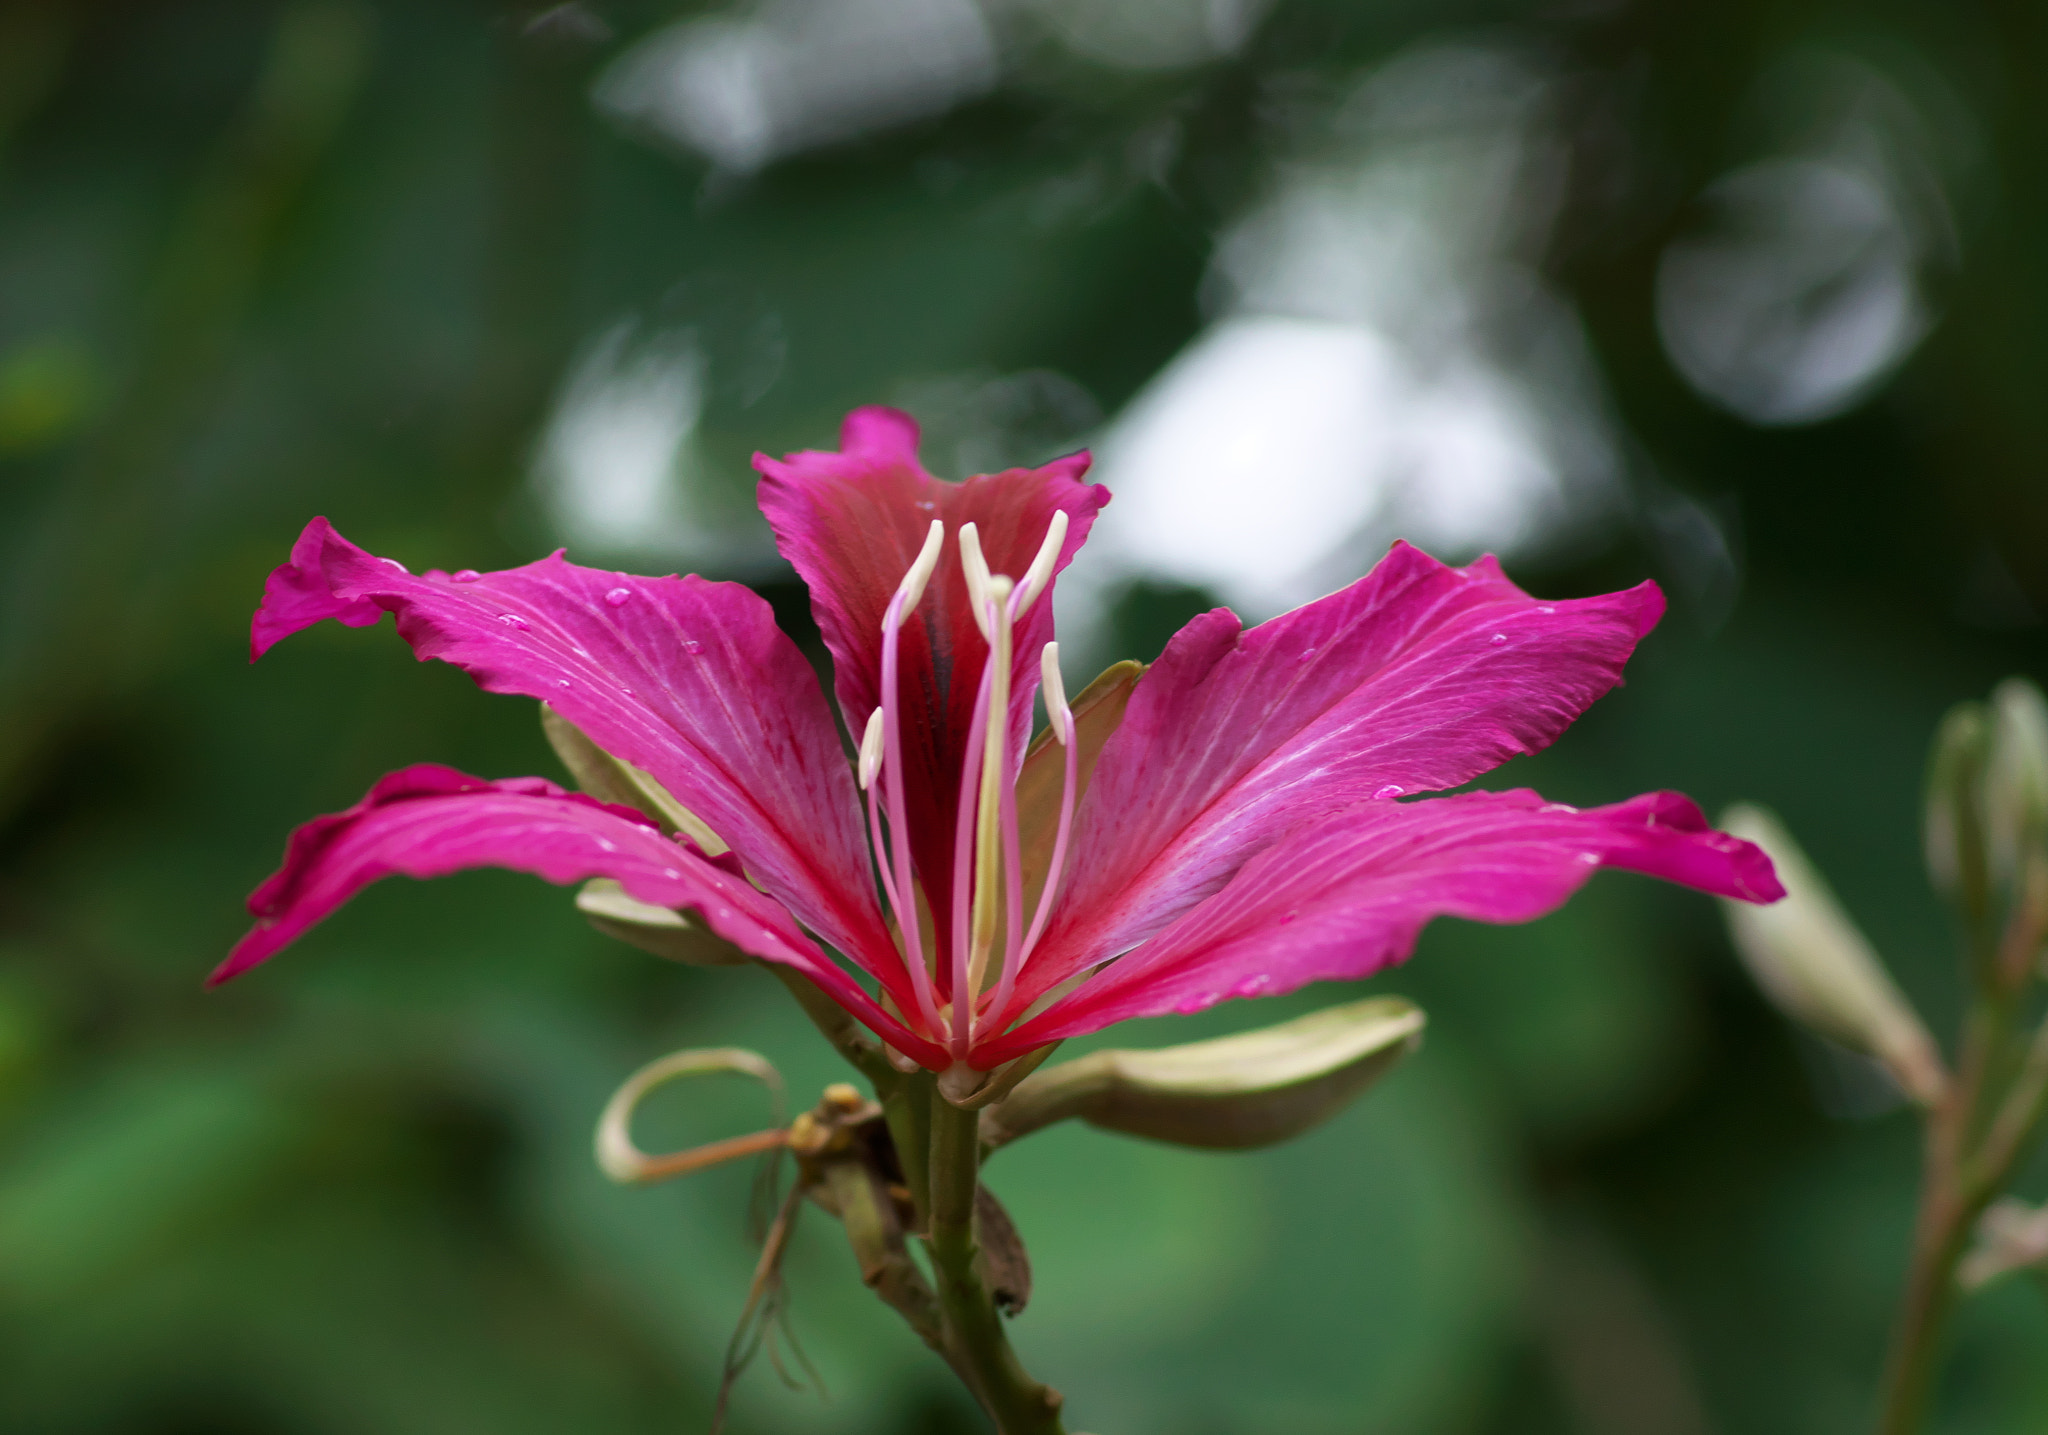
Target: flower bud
column 2011, row 1236
column 1813, row 963
column 654, row 929
column 1954, row 828
column 1233, row 1093
column 2015, row 779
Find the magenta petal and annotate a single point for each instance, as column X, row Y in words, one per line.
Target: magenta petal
column 429, row 821
column 852, row 522
column 1417, row 677
column 686, row 679
column 1348, row 896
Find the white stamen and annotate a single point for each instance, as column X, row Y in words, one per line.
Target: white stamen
column 1056, row 710
column 871, row 750
column 1040, row 572
column 974, row 568
column 912, row 586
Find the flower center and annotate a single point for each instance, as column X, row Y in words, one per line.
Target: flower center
column 990, row 942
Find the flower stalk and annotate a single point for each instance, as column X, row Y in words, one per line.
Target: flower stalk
column 975, row 1342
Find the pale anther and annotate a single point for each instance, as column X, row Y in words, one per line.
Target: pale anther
column 1040, row 572
column 912, row 586
column 1056, row 710
column 871, row 749
column 974, row 568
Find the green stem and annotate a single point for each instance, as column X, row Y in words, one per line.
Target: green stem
column 1950, row 1202
column 975, row 1341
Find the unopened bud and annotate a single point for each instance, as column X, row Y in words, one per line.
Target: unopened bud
column 1813, row 963
column 2016, row 779
column 2011, row 1236
column 1954, row 828
column 1233, row 1093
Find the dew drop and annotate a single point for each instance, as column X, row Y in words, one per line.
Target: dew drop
column 670, row 872
column 1546, row 610
column 1305, row 655
column 394, row 563
column 1591, row 859
column 513, row 620
column 1392, row 789
column 561, row 682
column 1500, row 638
column 691, row 645
column 618, row 596
column 1558, row 807
column 464, row 575
column 607, row 844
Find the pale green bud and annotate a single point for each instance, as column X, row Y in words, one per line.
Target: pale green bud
column 2016, row 778
column 1954, row 827
column 1233, row 1093
column 1812, row 961
column 2011, row 1236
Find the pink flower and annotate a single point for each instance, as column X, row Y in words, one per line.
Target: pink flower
column 1240, row 831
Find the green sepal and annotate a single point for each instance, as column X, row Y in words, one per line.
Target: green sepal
column 654, row 929
column 1234, row 1093
column 612, row 779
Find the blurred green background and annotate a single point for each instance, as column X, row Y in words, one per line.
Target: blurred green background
column 1748, row 297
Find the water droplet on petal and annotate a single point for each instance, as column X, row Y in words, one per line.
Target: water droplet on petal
column 1558, row 807
column 670, row 872
column 1392, row 789
column 607, row 844
column 513, row 620
column 1500, row 637
column 561, row 682
column 1546, row 609
column 691, row 645
column 1591, row 859
column 1305, row 655
column 464, row 575
column 618, row 596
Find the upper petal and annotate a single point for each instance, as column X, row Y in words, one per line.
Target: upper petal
column 688, row 680
column 1417, row 677
column 428, row 821
column 1348, row 895
column 852, row 522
